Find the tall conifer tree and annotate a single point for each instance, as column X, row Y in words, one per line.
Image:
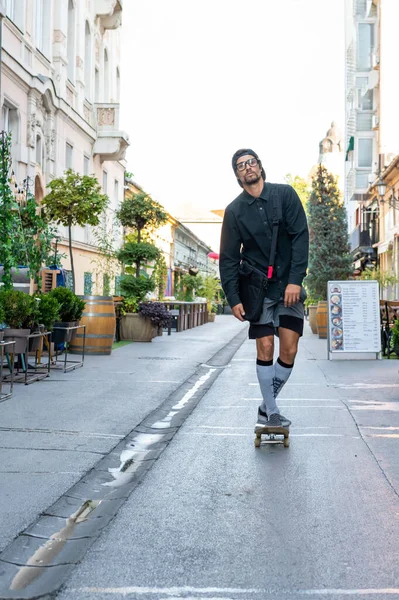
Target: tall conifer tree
column 329, row 257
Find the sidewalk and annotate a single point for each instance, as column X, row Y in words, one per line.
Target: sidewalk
column 55, row 430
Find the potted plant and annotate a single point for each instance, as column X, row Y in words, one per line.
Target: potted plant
column 311, row 304
column 156, row 313
column 20, row 315
column 70, row 312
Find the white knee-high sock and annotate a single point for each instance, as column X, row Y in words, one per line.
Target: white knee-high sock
column 266, row 374
column 282, row 373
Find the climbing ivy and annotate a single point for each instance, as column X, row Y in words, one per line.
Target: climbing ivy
column 8, row 212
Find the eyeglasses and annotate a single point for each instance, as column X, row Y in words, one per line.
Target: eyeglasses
column 252, row 162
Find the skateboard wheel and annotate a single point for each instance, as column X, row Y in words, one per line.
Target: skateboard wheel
column 286, row 442
column 257, row 442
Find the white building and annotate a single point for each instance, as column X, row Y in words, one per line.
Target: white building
column 372, row 123
column 60, row 100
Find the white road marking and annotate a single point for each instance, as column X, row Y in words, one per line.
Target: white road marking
column 178, row 591
column 367, row 386
column 281, row 405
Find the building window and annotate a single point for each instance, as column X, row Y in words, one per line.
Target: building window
column 11, row 124
column 42, row 25
column 365, row 153
column 10, row 9
column 88, row 283
column 39, row 151
column 365, row 100
column 106, row 284
column 365, row 46
column 97, row 86
column 68, row 280
column 116, row 191
column 105, row 182
column 71, row 41
column 68, row 156
column 87, row 62
column 106, row 77
column 86, row 165
column 118, row 85
column 118, row 285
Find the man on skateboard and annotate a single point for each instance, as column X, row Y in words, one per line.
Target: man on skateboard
column 263, row 258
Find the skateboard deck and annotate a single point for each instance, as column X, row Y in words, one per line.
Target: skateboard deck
column 273, row 435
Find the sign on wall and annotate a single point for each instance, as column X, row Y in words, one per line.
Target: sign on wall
column 353, row 317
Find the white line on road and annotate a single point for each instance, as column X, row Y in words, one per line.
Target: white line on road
column 178, row 591
column 282, row 406
column 355, row 437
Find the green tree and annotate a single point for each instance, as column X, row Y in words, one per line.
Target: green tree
column 329, row 257
column 8, row 212
column 160, row 275
column 74, row 199
column 208, row 288
column 384, row 278
column 301, row 187
column 142, row 214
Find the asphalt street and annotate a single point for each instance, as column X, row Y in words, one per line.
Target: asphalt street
column 191, row 508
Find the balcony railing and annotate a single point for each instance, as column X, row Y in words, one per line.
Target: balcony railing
column 362, row 237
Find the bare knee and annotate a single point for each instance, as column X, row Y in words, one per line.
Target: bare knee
column 288, row 352
column 265, row 348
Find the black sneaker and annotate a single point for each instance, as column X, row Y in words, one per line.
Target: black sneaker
column 262, row 417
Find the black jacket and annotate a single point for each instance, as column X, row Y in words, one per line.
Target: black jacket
column 247, row 234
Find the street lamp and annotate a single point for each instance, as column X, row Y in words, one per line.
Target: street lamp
column 381, row 188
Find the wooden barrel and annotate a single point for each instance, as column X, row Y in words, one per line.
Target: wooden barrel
column 321, row 319
column 100, row 321
column 312, row 318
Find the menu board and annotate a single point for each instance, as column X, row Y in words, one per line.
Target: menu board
column 353, row 316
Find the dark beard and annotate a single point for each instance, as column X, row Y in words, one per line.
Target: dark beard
column 252, row 181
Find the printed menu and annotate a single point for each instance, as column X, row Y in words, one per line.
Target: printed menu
column 354, row 316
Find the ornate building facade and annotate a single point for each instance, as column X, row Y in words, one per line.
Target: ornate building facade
column 60, row 101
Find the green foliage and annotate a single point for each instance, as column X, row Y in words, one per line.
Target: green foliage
column 20, row 309
column 140, row 212
column 136, row 287
column 133, row 253
column 208, row 288
column 34, row 238
column 8, row 212
column 395, row 335
column 160, row 276
column 187, row 285
column 384, row 278
column 329, row 257
column 71, row 306
column 106, row 260
column 74, row 199
column 301, row 187
column 48, row 310
column 129, row 305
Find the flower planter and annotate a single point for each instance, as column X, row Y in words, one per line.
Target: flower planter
column 60, row 336
column 312, row 317
column 36, row 343
column 136, row 328
column 321, row 318
column 211, row 317
column 19, row 336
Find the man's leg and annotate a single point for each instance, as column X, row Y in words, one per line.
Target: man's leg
column 285, row 362
column 266, row 373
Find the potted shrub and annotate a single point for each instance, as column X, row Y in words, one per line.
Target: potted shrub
column 20, row 315
column 156, row 313
column 311, row 303
column 70, row 312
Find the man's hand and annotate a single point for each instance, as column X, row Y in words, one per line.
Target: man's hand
column 292, row 293
column 238, row 312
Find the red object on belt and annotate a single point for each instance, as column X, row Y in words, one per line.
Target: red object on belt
column 270, row 272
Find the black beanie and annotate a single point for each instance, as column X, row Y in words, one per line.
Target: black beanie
column 244, row 152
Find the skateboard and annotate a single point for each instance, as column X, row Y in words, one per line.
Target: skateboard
column 274, row 435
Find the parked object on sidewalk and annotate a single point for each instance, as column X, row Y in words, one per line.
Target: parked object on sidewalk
column 136, row 328
column 70, row 313
column 321, row 319
column 19, row 312
column 312, row 318
column 273, row 435
column 99, row 318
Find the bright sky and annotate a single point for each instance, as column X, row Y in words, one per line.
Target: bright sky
column 202, row 78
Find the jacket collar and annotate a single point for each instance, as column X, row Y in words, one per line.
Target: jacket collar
column 251, row 199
